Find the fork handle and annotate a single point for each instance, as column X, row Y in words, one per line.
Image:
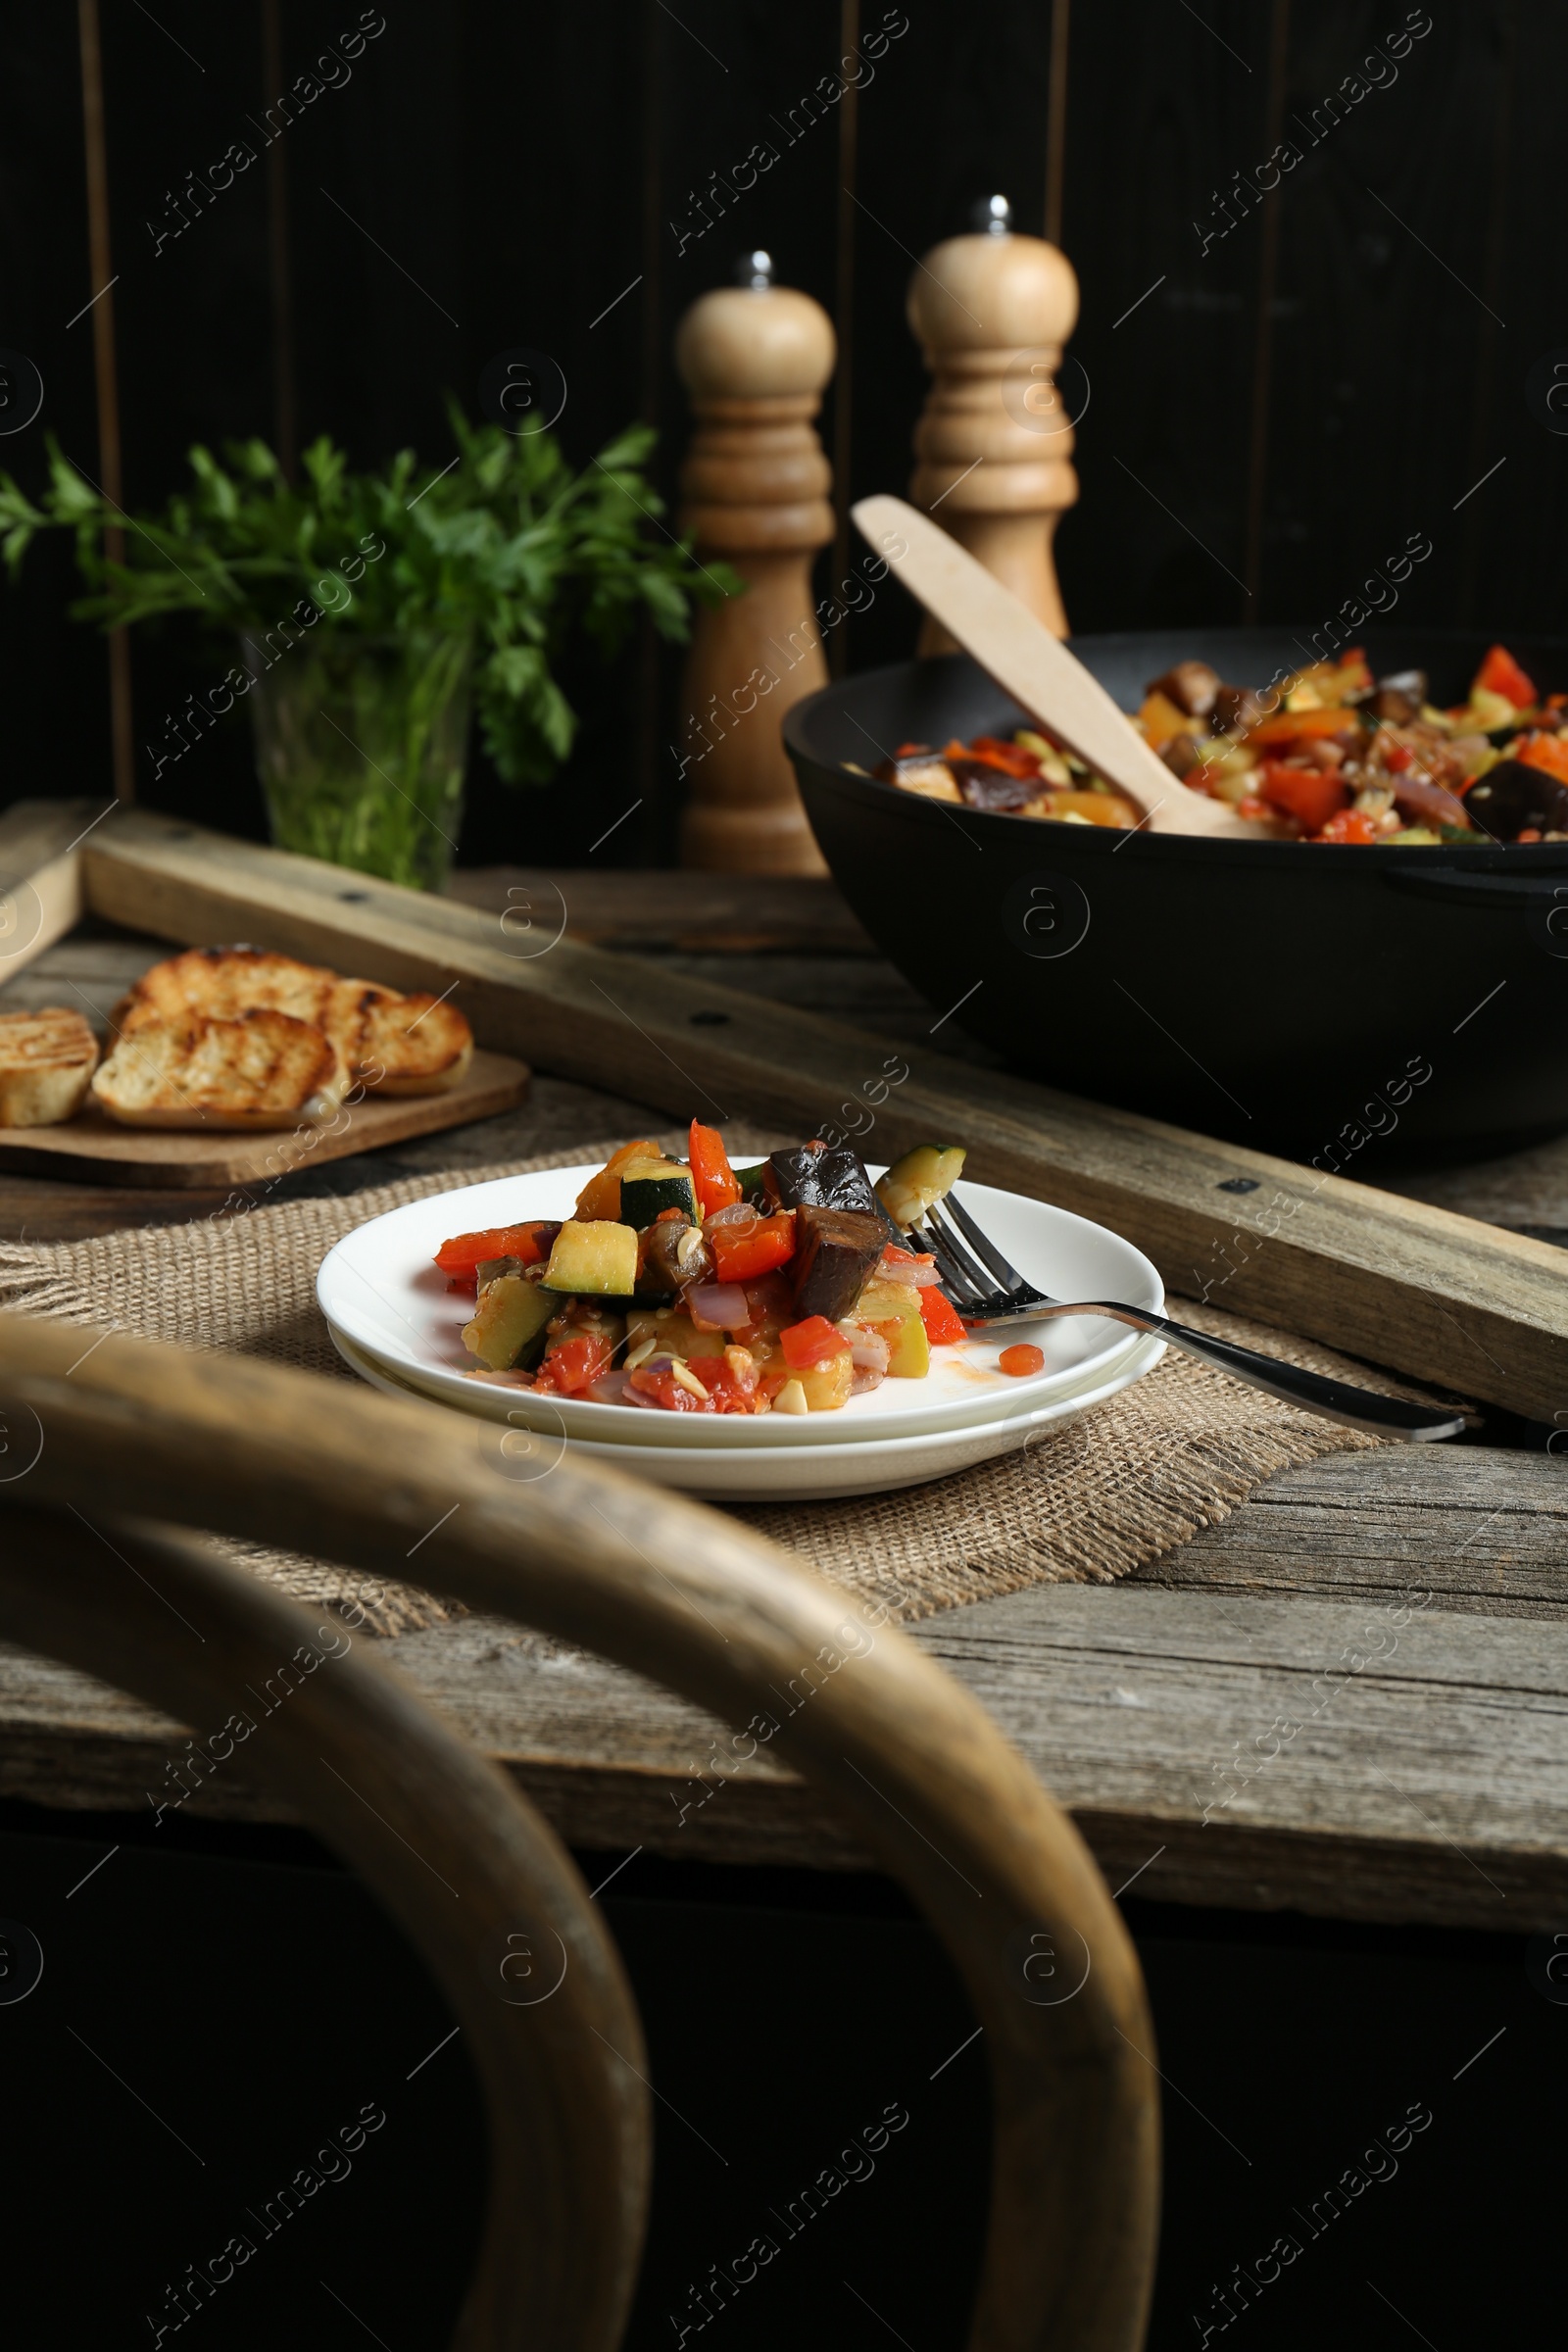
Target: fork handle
column 1334, row 1399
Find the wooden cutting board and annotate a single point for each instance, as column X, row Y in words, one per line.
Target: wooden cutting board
column 98, row 1151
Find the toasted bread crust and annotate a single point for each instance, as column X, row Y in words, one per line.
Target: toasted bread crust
column 222, row 984
column 393, row 1044
column 47, row 1060
column 419, row 1044
column 266, row 1069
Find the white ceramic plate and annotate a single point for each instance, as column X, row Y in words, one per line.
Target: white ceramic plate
column 769, row 1473
column 379, row 1289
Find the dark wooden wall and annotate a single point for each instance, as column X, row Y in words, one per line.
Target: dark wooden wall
column 1276, row 414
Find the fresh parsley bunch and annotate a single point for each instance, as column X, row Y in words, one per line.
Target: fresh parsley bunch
column 506, row 546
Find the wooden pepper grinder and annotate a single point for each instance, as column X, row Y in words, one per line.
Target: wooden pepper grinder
column 754, row 490
column 992, row 312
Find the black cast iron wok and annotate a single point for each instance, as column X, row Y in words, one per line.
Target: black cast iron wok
column 1345, row 1006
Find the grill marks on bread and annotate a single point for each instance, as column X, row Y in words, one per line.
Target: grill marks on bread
column 263, row 1069
column 47, row 1060
column 388, row 1043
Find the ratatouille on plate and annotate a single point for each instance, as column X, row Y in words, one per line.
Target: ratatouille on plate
column 693, row 1286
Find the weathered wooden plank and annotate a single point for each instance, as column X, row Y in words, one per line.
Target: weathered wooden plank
column 684, row 911
column 40, row 878
column 1485, row 1532
column 1394, row 1281
column 1430, row 1783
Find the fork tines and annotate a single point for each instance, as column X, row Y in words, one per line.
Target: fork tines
column 978, row 1280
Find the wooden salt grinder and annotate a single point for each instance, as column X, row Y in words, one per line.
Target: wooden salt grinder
column 992, row 312
column 754, row 490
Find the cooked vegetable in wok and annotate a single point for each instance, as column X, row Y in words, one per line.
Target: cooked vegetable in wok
column 689, row 1288
column 1330, row 753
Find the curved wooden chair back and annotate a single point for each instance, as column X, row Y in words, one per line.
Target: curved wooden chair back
column 141, row 1430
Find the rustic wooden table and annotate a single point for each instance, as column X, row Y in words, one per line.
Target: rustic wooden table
column 1413, row 1605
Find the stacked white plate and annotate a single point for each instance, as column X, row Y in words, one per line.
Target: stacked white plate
column 394, row 1320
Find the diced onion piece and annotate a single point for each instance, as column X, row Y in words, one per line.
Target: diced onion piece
column 608, row 1389
column 718, row 1306
column 870, row 1350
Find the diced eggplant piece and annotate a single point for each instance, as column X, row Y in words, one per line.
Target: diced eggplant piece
column 1236, row 708
column 1181, row 754
column 596, row 1258
column 1192, row 686
column 828, row 1179
column 928, row 775
column 837, row 1253
column 1399, row 696
column 982, row 786
column 1512, row 797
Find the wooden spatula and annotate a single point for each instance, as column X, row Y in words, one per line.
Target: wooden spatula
column 1036, row 669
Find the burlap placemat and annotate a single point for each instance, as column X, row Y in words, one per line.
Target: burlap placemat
column 1086, row 1501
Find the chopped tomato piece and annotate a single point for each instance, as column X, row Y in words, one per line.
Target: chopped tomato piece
column 1527, row 833
column 752, row 1245
column 712, row 1172
column 1548, row 752
column 1350, row 825
column 812, row 1342
column 461, row 1256
column 893, row 1258
column 1397, row 756
column 1500, row 673
column 660, row 1383
column 1021, row 1361
column 731, row 1380
column 942, row 1320
column 908, row 751
column 575, row 1364
column 1312, row 795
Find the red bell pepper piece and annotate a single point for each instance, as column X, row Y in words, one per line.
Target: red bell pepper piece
column 1548, row 752
column 711, row 1173
column 811, row 1343
column 752, row 1245
column 1502, row 674
column 942, row 1320
column 467, row 1251
column 1300, row 727
column 1312, row 795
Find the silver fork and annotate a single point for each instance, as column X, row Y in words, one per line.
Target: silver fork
column 979, row 1282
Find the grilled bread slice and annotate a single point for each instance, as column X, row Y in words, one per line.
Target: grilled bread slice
column 46, row 1064
column 265, row 1069
column 220, row 984
column 395, row 1045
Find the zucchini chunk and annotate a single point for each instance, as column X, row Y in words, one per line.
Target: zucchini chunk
column 508, row 1322
column 894, row 1310
column 596, row 1258
column 649, row 1186
column 920, row 1179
